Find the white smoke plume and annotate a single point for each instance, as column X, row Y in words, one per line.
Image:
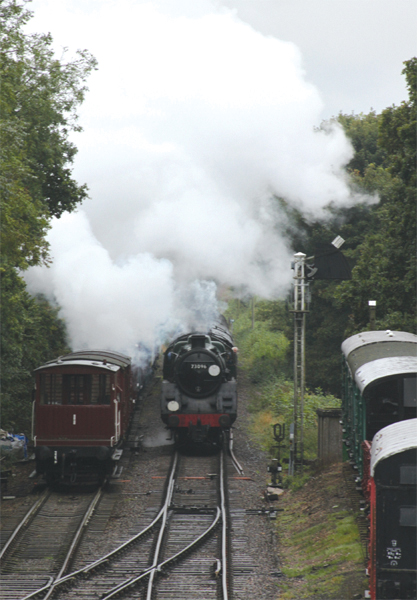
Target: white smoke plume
column 192, row 123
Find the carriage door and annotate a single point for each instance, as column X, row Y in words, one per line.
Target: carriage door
column 117, row 416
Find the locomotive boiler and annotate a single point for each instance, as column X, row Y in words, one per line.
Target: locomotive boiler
column 199, row 388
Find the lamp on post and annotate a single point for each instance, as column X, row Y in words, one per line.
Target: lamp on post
column 372, row 313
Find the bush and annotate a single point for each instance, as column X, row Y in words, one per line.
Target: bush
column 262, row 355
column 262, row 351
column 274, row 403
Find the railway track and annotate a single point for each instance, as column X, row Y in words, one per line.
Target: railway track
column 178, row 545
column 182, row 551
column 42, row 546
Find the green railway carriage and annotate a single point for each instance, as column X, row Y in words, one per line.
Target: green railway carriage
column 392, row 566
column 379, row 386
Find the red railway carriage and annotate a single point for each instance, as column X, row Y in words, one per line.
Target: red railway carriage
column 82, row 409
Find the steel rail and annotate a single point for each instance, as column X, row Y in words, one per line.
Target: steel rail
column 114, row 552
column 84, row 570
column 134, row 580
column 156, row 568
column 236, row 464
column 77, row 538
column 224, row 530
column 162, row 514
column 161, row 534
column 26, row 519
column 54, row 581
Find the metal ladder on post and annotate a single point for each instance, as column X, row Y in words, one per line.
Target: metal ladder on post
column 299, row 310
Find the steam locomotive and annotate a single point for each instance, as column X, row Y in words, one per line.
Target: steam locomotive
column 379, row 410
column 82, row 408
column 199, row 389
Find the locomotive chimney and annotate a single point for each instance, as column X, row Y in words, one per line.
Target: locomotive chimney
column 198, row 341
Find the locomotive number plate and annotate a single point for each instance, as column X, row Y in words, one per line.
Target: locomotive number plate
column 198, row 366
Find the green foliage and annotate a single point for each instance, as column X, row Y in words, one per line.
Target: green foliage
column 362, row 130
column 317, row 553
column 38, row 101
column 39, row 97
column 262, row 350
column 273, row 402
column 263, row 356
column 321, row 552
column 386, row 267
column 32, row 333
column 24, row 219
column 397, row 134
column 380, row 238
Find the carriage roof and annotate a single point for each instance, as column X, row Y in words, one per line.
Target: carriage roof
column 393, row 439
column 373, row 355
column 383, row 338
column 112, row 361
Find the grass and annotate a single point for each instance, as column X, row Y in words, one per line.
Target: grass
column 321, row 555
column 320, row 549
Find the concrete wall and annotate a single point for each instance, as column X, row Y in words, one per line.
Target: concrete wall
column 329, row 435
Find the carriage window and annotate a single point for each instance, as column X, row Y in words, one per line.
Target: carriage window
column 408, row 516
column 100, row 389
column 384, row 406
column 77, row 389
column 408, row 474
column 50, row 389
column 410, row 392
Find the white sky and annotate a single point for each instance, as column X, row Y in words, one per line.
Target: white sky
column 352, row 50
column 200, row 111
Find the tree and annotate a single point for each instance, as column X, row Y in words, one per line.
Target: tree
column 385, row 268
column 380, row 238
column 362, row 130
column 397, row 133
column 39, row 97
column 32, row 333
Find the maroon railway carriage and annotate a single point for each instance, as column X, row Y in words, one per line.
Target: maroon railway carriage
column 82, row 408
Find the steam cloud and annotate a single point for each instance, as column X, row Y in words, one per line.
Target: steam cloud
column 193, row 121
